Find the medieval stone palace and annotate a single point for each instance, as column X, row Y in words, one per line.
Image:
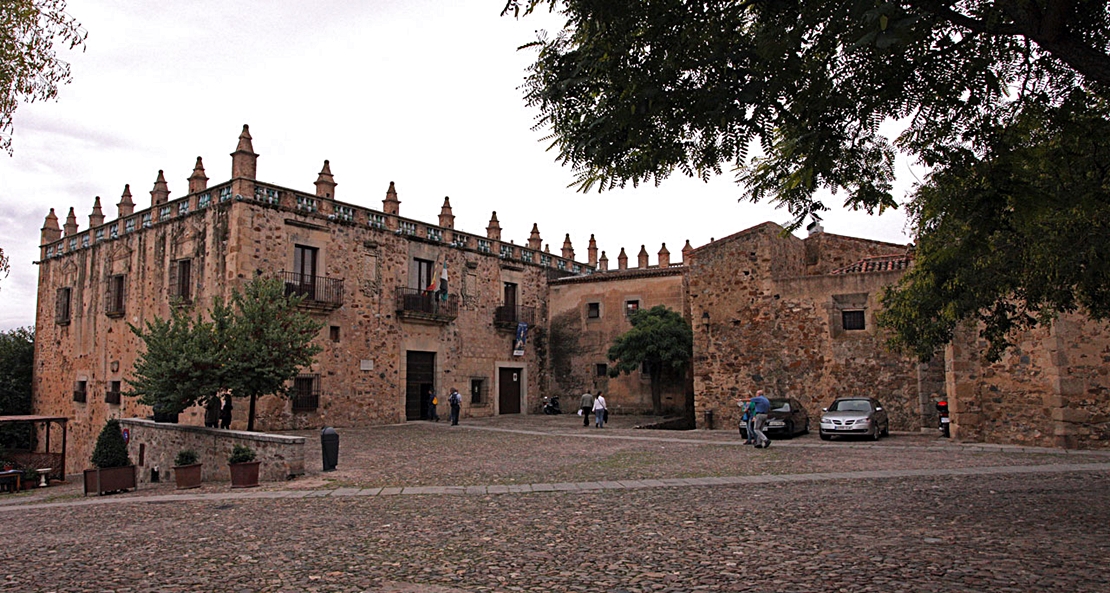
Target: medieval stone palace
column 769, row 310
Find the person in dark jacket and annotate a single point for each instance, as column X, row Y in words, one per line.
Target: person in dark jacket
column 212, row 412
column 225, row 413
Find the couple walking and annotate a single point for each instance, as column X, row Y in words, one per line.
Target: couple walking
column 755, row 414
column 595, row 404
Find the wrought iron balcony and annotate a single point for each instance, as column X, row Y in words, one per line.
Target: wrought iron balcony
column 508, row 316
column 426, row 305
column 319, row 292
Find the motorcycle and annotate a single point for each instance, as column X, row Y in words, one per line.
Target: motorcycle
column 945, row 421
column 551, row 406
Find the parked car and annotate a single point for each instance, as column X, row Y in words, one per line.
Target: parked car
column 787, row 417
column 861, row 416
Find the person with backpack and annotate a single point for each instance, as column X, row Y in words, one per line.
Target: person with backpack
column 456, row 402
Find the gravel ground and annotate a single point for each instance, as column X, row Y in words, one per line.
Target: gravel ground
column 1007, row 528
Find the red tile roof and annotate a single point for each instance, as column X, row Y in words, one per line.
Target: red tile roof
column 878, row 263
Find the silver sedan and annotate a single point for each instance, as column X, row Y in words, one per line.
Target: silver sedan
column 861, row 416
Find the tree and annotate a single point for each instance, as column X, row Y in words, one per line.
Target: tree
column 30, row 70
column 249, row 347
column 5, row 265
column 17, row 357
column 111, row 449
column 635, row 90
column 661, row 340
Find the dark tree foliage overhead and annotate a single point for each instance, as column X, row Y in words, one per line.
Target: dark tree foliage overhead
column 791, row 95
column 660, row 339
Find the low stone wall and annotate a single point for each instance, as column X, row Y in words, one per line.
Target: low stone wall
column 154, row 445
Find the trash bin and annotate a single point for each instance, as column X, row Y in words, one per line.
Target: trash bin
column 329, row 445
column 709, row 419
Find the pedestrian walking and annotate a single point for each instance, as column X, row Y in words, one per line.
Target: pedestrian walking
column 747, row 418
column 212, row 412
column 599, row 410
column 225, row 412
column 433, row 402
column 762, row 406
column 587, row 406
column 456, row 402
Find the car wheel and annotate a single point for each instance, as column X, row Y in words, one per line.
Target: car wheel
column 875, row 434
column 886, row 430
column 825, row 437
column 806, row 430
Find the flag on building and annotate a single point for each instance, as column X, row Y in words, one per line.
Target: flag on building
column 431, row 280
column 443, row 282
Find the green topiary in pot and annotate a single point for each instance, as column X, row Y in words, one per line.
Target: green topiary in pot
column 111, row 449
column 185, row 457
column 241, row 454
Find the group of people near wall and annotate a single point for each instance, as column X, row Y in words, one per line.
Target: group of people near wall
column 216, row 416
column 755, row 417
column 596, row 404
column 454, row 400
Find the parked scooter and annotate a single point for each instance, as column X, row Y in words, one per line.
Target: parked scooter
column 551, row 406
column 945, row 421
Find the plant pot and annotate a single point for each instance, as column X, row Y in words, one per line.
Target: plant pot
column 110, row 479
column 244, row 475
column 187, row 476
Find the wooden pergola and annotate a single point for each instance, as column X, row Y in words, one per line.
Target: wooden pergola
column 55, row 461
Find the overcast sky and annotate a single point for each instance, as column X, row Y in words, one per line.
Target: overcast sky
column 421, row 92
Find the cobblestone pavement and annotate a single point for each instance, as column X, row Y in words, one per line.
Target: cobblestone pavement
column 542, row 504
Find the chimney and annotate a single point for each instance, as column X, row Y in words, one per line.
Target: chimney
column 198, row 182
column 603, row 263
column 591, row 251
column 97, row 216
column 391, row 205
column 325, row 183
column 125, row 207
column 161, row 192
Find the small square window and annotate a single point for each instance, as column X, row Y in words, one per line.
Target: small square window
column 631, row 307
column 477, row 391
column 112, row 395
column 306, row 393
column 593, row 310
column 601, row 369
column 853, row 320
column 334, row 333
column 80, row 391
column 62, row 307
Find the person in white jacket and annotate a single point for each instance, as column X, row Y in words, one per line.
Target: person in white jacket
column 600, row 410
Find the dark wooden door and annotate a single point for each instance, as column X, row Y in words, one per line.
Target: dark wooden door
column 419, row 379
column 508, row 391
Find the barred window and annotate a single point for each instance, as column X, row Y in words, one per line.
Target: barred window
column 181, row 278
column 112, row 395
column 80, row 391
column 114, row 299
column 853, row 320
column 306, row 393
column 62, row 306
column 478, row 390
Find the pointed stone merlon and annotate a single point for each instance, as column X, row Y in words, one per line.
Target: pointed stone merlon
column 446, row 217
column 244, row 161
column 686, row 251
column 96, row 218
column 493, row 231
column 198, row 181
column 603, row 263
column 622, row 260
column 71, row 223
column 534, row 240
column 591, row 251
column 664, row 257
column 161, row 192
column 568, row 249
column 391, row 205
column 325, row 182
column 125, row 207
column 50, row 230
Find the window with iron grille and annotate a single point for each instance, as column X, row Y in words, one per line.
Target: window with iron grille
column 112, row 395
column 80, row 393
column 73, row 244
column 114, row 299
column 853, row 320
column 593, row 310
column 306, row 393
column 478, row 390
column 631, row 307
column 526, row 255
column 62, row 306
column 181, row 280
column 506, row 251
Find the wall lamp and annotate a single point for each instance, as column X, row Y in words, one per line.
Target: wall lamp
column 705, row 321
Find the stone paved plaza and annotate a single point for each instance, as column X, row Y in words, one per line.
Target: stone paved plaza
column 540, row 503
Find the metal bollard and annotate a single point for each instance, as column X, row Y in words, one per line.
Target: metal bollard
column 329, row 446
column 709, row 419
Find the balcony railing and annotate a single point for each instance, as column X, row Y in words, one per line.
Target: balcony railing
column 426, row 305
column 318, row 291
column 508, row 316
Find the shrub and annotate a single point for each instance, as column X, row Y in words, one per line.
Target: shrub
column 185, row 457
column 110, row 450
column 241, row 454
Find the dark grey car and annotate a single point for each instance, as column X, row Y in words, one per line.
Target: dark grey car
column 860, row 416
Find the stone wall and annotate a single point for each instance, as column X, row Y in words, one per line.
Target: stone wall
column 155, row 445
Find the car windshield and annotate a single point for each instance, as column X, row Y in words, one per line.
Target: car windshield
column 851, row 405
column 780, row 405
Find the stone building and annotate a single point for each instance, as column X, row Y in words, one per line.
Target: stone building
column 387, row 339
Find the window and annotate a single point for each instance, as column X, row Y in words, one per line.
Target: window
column 425, row 274
column 477, row 391
column 853, row 320
column 306, row 393
column 80, row 393
column 593, row 310
column 510, row 295
column 333, row 333
column 601, row 369
column 113, row 300
column 304, row 261
column 62, row 306
column 112, row 395
column 631, row 307
column 73, row 244
column 181, row 278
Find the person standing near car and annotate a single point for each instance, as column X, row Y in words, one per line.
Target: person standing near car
column 762, row 407
column 587, row 405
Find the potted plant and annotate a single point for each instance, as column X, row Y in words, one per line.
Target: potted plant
column 187, row 469
column 244, row 469
column 112, row 470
